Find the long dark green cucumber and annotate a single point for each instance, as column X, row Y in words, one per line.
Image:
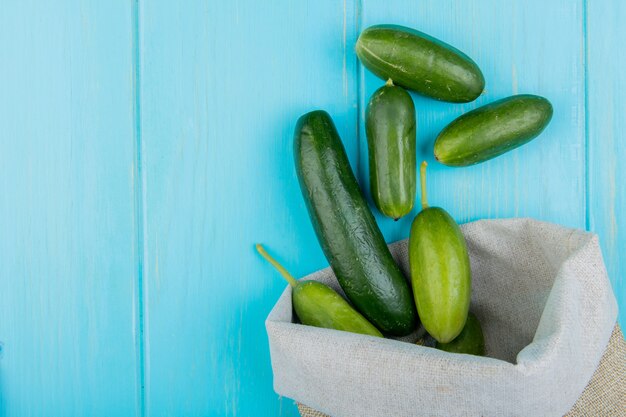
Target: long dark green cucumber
column 440, row 270
column 492, row 130
column 346, row 229
column 318, row 305
column 390, row 128
column 471, row 340
column 419, row 62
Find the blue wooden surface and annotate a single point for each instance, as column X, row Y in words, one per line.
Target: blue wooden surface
column 145, row 146
column 606, row 146
column 68, row 275
column 222, row 85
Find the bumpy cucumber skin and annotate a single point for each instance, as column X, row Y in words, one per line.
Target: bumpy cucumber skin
column 470, row 341
column 492, row 130
column 440, row 273
column 318, row 305
column 390, row 128
column 346, row 229
column 420, row 63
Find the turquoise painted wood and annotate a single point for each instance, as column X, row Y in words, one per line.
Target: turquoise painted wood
column 145, row 146
column 68, row 264
column 222, row 85
column 606, row 124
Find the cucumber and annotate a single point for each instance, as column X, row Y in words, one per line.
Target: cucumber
column 390, row 128
column 440, row 270
column 346, row 229
column 470, row 341
column 316, row 304
column 420, row 63
column 492, row 130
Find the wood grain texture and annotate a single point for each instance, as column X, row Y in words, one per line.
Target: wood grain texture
column 606, row 116
column 522, row 47
column 67, row 256
column 223, row 84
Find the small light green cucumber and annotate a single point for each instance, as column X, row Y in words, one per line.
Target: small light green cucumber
column 318, row 305
column 440, row 270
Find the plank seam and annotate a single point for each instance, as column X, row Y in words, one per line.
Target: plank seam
column 360, row 87
column 587, row 206
column 139, row 224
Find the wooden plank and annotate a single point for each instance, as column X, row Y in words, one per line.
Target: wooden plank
column 522, row 47
column 67, row 255
column 606, row 110
column 223, row 84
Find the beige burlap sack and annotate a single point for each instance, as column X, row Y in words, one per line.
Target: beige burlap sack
column 547, row 311
column 605, row 395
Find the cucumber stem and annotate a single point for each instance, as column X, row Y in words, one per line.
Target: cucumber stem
column 423, row 185
column 389, row 82
column 290, row 279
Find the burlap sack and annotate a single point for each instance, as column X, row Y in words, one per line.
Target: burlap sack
column 605, row 395
column 547, row 310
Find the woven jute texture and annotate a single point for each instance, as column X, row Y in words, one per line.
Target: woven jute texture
column 547, row 309
column 605, row 395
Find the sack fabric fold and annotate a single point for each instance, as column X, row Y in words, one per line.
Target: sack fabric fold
column 547, row 310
